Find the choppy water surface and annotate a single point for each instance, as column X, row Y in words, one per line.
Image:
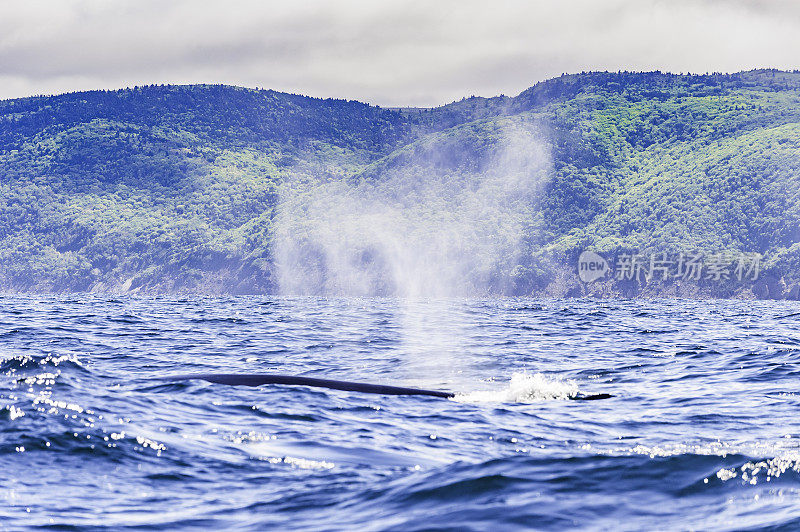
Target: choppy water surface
column 702, row 432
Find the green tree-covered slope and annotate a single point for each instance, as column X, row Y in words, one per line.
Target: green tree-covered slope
column 179, row 188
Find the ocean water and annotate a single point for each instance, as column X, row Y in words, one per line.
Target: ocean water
column 702, row 431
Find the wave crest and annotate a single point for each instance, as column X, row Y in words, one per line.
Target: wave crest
column 524, row 388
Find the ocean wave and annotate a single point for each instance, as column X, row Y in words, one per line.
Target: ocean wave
column 700, row 435
column 13, row 363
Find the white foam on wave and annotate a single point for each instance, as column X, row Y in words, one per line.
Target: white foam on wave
column 524, row 388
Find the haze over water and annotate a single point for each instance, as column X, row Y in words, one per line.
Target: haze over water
column 701, row 433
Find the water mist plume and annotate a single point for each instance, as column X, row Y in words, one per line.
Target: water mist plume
column 444, row 217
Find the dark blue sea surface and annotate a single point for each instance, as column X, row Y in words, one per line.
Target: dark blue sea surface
column 702, row 431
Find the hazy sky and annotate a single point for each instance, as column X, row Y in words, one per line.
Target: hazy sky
column 387, row 52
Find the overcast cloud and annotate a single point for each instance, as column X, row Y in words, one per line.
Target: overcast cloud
column 386, row 52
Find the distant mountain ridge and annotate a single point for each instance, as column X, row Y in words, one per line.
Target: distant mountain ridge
column 176, row 188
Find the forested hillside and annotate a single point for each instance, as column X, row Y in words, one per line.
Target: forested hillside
column 180, row 188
